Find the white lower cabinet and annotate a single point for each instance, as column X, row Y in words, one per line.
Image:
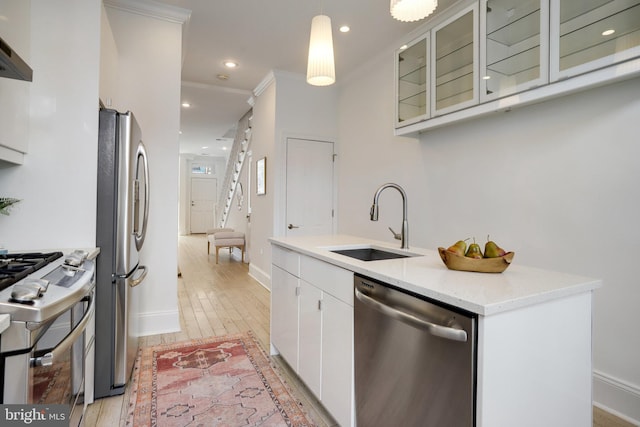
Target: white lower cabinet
column 312, row 327
column 284, row 314
column 337, row 359
column 310, row 332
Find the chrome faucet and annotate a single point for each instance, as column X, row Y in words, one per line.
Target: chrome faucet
column 404, row 236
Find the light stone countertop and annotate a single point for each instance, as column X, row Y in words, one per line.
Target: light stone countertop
column 482, row 293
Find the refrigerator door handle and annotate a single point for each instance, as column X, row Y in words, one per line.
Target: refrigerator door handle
column 135, row 281
column 140, row 233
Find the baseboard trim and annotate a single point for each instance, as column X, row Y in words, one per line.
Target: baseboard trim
column 617, row 397
column 260, row 276
column 159, row 322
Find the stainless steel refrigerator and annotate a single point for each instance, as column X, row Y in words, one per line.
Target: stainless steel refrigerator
column 122, row 213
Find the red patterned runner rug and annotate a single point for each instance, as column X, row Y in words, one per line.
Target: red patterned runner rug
column 217, row 381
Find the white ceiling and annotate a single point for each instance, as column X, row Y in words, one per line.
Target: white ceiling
column 265, row 35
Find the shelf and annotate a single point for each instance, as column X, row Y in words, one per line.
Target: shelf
column 581, row 39
column 416, row 100
column 455, row 90
column 408, row 111
column 417, row 76
column 454, row 60
column 411, row 90
column 454, row 99
column 517, row 30
column 517, row 63
column 570, row 10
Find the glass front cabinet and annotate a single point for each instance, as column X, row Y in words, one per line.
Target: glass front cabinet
column 491, row 55
column 514, row 46
column 455, row 58
column 591, row 34
column 412, row 104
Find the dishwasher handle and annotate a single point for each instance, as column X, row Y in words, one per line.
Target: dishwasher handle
column 434, row 329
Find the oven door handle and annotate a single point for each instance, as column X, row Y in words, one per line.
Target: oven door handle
column 49, row 358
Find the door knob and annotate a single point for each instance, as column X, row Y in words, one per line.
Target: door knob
column 292, row 226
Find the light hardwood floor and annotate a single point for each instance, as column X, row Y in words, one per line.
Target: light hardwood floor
column 213, row 300
column 223, row 299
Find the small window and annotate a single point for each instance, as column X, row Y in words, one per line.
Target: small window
column 197, row 169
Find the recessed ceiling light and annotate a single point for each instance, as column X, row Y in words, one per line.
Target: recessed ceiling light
column 608, row 32
column 186, row 105
column 230, row 64
column 222, row 77
column 344, row 29
column 204, row 148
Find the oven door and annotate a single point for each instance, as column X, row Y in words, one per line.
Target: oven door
column 57, row 373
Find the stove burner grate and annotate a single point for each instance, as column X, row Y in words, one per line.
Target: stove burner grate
column 16, row 266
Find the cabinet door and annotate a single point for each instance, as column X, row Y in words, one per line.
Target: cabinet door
column 412, row 102
column 454, row 59
column 310, row 330
column 337, row 359
column 513, row 46
column 284, row 314
column 15, row 94
column 590, row 34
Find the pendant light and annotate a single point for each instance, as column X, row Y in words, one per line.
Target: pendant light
column 321, row 67
column 412, row 10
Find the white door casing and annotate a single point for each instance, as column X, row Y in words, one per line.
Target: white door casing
column 202, row 207
column 309, row 187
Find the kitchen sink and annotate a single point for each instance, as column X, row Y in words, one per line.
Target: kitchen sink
column 371, row 254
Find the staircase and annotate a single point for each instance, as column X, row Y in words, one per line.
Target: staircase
column 234, row 166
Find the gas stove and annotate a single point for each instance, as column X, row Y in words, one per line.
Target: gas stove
column 14, row 267
column 36, row 287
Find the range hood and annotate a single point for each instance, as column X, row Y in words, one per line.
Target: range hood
column 11, row 65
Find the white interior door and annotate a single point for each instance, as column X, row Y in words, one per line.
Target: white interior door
column 309, row 187
column 203, row 201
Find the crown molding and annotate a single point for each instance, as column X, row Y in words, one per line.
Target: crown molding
column 151, row 9
column 264, row 84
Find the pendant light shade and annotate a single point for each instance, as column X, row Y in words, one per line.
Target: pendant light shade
column 321, row 69
column 412, row 10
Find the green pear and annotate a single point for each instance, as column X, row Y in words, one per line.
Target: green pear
column 474, row 250
column 492, row 250
column 459, row 247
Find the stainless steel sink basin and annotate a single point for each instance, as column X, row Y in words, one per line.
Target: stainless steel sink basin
column 370, row 254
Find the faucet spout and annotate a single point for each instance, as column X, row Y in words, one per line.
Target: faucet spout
column 404, row 235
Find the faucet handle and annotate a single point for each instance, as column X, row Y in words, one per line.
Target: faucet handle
column 396, row 236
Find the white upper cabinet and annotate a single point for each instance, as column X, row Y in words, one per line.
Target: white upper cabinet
column 454, row 55
column 412, row 102
column 514, row 47
column 485, row 56
column 15, row 30
column 591, row 34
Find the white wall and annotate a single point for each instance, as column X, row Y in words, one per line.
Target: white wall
column 149, row 70
column 57, row 183
column 288, row 107
column 555, row 182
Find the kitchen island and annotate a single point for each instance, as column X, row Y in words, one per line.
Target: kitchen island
column 533, row 359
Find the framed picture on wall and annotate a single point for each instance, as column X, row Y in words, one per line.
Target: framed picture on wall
column 261, row 176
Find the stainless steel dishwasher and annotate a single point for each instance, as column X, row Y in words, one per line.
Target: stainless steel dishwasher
column 415, row 360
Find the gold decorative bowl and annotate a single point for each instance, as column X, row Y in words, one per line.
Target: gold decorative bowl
column 481, row 265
